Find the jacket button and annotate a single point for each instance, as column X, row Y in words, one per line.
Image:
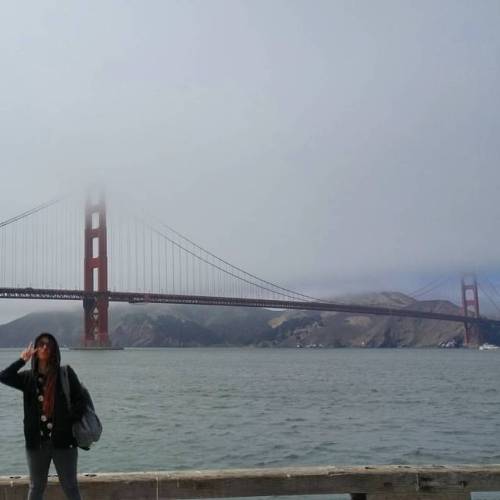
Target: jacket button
column 43, row 418
column 49, row 425
column 40, row 398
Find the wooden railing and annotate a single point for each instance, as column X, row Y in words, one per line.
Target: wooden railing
column 394, row 482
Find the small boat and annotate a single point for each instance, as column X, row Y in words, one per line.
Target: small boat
column 488, row 347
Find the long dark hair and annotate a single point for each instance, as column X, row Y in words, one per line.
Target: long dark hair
column 51, row 377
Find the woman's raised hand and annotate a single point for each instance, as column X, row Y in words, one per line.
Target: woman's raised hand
column 28, row 352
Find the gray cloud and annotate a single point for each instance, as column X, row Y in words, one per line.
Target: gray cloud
column 330, row 145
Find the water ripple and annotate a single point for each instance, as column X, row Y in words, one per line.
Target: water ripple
column 207, row 408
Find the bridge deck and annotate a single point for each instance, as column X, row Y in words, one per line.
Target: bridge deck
column 158, row 298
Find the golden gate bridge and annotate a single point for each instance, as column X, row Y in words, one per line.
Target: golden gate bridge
column 103, row 255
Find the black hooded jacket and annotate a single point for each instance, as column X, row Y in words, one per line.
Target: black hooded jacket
column 25, row 381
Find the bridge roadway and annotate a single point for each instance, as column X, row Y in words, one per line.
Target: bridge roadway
column 159, row 298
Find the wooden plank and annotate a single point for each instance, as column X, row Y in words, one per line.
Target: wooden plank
column 379, row 482
column 410, row 496
column 328, row 480
column 133, row 486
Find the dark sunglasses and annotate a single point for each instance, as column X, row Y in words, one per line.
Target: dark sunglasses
column 42, row 343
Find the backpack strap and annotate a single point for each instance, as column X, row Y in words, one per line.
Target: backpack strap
column 65, row 385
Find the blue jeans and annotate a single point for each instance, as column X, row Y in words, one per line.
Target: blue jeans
column 65, row 461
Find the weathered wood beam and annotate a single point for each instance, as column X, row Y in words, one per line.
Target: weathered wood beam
column 371, row 483
column 416, row 496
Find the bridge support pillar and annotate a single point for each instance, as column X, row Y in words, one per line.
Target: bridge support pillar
column 96, row 303
column 470, row 305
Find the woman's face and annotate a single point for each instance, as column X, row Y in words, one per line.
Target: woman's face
column 44, row 346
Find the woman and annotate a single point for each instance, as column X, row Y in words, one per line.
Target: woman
column 47, row 420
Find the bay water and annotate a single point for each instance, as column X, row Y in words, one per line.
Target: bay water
column 205, row 408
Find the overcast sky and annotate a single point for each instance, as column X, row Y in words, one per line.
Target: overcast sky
column 329, row 146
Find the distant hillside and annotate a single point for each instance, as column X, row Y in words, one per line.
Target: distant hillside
column 168, row 325
column 66, row 326
column 150, row 325
column 332, row 329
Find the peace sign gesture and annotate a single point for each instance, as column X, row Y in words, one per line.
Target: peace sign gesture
column 28, row 352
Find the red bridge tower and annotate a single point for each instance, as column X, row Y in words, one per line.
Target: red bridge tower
column 470, row 299
column 96, row 274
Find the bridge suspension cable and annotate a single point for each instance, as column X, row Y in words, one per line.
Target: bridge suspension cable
column 270, row 288
column 488, row 296
column 430, row 287
column 42, row 247
column 238, row 269
column 163, row 260
column 492, row 286
column 34, row 210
